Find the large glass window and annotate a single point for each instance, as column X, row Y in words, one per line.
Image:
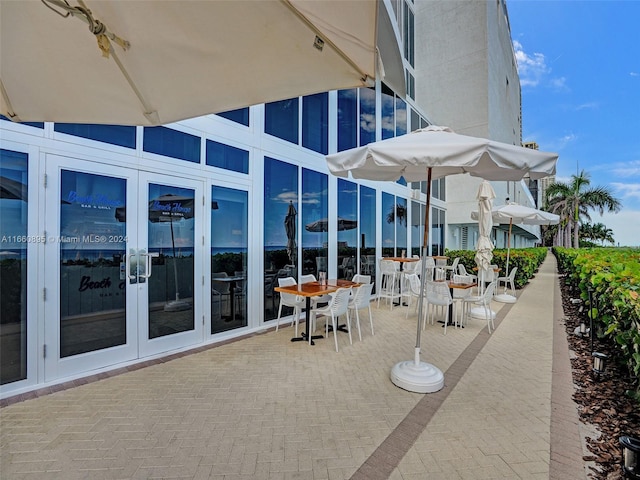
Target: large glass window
column 437, row 231
column 315, row 122
column 13, row 266
column 408, row 36
column 280, row 237
column 347, row 119
column 417, row 227
column 388, row 112
column 367, row 115
column 31, row 124
column 347, row 229
column 281, row 119
column 401, row 224
column 394, row 225
column 315, row 209
column 171, row 143
column 368, row 231
column 388, row 224
column 401, row 117
column 227, row 157
column 122, row 135
column 229, row 248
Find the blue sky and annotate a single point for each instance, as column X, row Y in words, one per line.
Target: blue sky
column 579, row 67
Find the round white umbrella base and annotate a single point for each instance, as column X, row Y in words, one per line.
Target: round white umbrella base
column 416, row 376
column 480, row 312
column 505, row 298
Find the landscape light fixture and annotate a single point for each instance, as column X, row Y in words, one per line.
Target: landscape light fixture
column 630, row 457
column 599, row 363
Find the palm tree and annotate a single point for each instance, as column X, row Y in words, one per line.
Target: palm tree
column 573, row 201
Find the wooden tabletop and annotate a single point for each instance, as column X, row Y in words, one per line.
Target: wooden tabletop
column 314, row 289
column 401, row 259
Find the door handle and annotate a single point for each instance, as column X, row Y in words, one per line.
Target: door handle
column 146, row 272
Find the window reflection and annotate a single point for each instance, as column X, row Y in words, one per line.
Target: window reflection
column 315, row 208
column 229, row 248
column 347, row 119
column 92, row 247
column 367, row 115
column 368, row 231
column 13, row 266
column 347, row 229
column 280, row 191
column 437, row 231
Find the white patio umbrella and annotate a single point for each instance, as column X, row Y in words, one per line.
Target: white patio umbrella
column 426, row 154
column 139, row 62
column 519, row 214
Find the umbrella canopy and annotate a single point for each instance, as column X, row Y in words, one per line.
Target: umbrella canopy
column 431, row 153
column 323, row 225
column 519, row 214
column 152, row 63
column 484, row 248
column 12, row 189
column 514, row 213
column 290, row 228
column 446, row 153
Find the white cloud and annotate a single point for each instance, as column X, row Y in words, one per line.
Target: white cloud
column 634, row 74
column 587, row 106
column 531, row 68
column 627, row 169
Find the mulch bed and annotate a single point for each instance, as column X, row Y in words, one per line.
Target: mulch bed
column 602, row 400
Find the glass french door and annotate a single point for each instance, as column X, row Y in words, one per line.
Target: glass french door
column 120, row 266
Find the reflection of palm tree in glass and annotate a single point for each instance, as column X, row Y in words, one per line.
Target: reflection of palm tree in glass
column 399, row 212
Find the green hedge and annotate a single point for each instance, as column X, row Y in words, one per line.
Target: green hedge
column 528, row 260
column 613, row 275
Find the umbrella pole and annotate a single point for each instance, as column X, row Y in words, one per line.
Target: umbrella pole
column 414, row 375
column 505, row 297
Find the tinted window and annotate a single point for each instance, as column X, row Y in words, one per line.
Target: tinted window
column 240, row 115
column 347, row 119
column 121, row 135
column 227, row 157
column 315, row 122
column 281, row 119
column 172, row 143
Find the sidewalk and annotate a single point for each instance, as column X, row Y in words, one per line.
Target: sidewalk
column 267, row 408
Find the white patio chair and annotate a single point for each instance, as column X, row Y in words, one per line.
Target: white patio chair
column 338, row 305
column 509, row 281
column 483, row 302
column 438, row 297
column 296, row 302
column 360, row 299
column 389, row 281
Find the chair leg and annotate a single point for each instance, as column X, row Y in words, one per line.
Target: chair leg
column 358, row 324
column 370, row 319
column 349, row 328
column 335, row 330
column 279, row 314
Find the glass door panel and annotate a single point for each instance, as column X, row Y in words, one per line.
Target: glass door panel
column 169, row 297
column 89, row 308
column 92, row 246
column 171, row 245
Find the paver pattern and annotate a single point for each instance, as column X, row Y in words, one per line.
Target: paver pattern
column 266, row 408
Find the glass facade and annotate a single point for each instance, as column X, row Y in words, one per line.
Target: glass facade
column 280, row 244
column 227, row 157
column 171, row 143
column 13, row 266
column 124, row 136
column 367, row 116
column 437, row 231
column 240, row 116
column 347, row 124
column 229, row 257
column 315, row 122
column 314, row 208
column 92, row 250
column 281, row 119
column 347, row 227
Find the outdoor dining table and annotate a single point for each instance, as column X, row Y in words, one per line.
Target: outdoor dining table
column 451, row 284
column 309, row 290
